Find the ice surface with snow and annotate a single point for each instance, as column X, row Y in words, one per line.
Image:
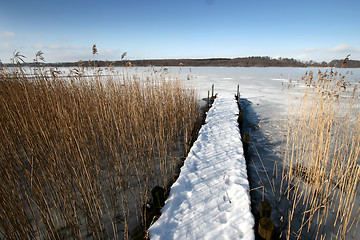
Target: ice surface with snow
column 210, row 199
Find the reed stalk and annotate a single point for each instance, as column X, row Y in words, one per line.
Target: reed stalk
column 79, row 155
column 321, row 171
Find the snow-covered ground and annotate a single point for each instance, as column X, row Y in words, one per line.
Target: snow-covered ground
column 210, row 199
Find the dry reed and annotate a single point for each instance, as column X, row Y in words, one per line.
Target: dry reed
column 79, row 155
column 321, row 172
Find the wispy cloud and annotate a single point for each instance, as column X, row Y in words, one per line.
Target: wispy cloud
column 66, row 52
column 7, row 46
column 40, row 46
column 338, row 48
column 7, row 35
column 313, row 49
column 339, row 51
column 343, row 48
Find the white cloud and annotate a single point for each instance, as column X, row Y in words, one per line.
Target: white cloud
column 57, row 47
column 339, row 51
column 40, row 46
column 343, row 48
column 7, row 35
column 303, row 57
column 313, row 49
column 6, row 46
column 67, row 52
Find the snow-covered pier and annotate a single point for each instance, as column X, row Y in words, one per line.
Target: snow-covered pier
column 210, row 199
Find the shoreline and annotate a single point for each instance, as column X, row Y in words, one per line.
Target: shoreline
column 260, row 62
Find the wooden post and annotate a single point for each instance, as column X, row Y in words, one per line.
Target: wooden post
column 158, row 194
column 240, row 119
column 266, row 228
column 265, row 209
column 212, row 91
column 238, row 96
column 208, row 102
column 246, row 142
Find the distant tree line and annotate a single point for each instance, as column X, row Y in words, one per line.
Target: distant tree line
column 210, row 62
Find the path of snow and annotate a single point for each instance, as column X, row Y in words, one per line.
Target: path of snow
column 210, row 199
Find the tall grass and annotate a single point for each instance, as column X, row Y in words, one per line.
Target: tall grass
column 78, row 156
column 321, row 173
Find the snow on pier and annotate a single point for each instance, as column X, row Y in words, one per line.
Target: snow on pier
column 210, row 199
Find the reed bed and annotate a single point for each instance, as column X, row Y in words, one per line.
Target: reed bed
column 321, row 173
column 79, row 155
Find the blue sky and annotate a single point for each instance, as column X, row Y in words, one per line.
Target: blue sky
column 65, row 30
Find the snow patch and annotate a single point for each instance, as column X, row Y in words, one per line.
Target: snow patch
column 210, row 199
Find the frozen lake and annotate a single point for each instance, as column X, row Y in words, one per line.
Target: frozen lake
column 265, row 98
column 266, row 93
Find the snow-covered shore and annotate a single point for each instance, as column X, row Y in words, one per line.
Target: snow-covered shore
column 210, row 199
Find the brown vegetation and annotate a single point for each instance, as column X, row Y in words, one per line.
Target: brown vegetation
column 79, row 156
column 321, row 170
